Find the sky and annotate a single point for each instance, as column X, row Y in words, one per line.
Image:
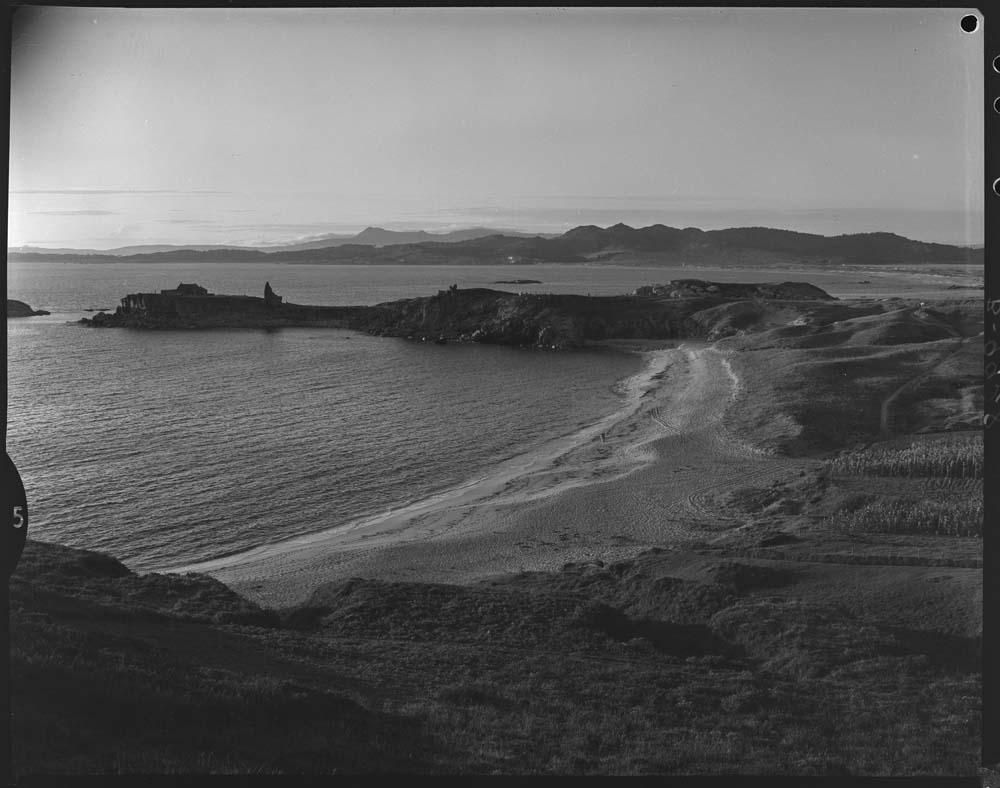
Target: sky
column 267, row 126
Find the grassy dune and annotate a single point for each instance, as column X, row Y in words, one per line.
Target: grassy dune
column 743, row 665
column 829, row 379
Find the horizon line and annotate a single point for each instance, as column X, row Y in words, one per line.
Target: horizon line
column 275, row 245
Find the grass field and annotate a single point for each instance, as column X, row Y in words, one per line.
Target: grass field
column 953, row 456
column 914, row 517
column 620, row 669
column 949, row 512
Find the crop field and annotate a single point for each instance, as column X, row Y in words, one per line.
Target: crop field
column 926, row 516
column 955, row 457
column 952, row 464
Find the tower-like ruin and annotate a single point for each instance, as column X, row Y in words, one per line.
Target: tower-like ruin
column 270, row 298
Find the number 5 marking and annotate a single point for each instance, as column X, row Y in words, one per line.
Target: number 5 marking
column 18, row 517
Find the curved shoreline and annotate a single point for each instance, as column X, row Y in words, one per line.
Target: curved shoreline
column 657, row 480
column 653, row 482
column 496, row 487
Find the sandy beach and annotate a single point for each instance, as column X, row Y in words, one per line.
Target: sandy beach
column 641, row 477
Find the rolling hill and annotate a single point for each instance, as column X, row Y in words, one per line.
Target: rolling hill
column 653, row 245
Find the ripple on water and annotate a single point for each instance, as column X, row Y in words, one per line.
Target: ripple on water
column 171, row 447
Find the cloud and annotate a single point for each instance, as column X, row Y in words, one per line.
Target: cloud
column 74, row 213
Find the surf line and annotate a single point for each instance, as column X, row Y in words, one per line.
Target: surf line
column 477, row 491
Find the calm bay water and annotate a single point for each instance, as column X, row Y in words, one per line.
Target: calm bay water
column 167, row 447
column 164, row 448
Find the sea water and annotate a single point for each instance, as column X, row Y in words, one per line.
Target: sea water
column 169, row 447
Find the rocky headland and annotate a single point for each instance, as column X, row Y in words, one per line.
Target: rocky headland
column 193, row 306
column 678, row 309
column 21, row 309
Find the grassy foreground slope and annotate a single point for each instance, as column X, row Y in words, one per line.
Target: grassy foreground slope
column 833, row 625
column 691, row 661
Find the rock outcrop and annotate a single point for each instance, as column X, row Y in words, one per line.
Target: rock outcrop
column 21, row 309
column 558, row 321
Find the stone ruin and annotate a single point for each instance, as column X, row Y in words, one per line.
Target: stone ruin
column 270, row 297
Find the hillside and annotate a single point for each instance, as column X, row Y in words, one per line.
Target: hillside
column 858, row 372
column 653, row 245
column 370, row 236
column 744, row 665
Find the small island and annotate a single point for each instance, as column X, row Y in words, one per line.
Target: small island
column 21, row 309
column 518, row 282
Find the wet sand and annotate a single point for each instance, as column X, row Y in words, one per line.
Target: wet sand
column 645, row 476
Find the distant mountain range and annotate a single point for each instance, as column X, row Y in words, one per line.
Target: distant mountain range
column 370, row 236
column 377, row 236
column 618, row 244
column 121, row 251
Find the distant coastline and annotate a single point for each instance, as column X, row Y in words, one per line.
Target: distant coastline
column 615, row 245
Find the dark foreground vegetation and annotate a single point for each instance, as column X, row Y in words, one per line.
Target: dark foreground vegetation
column 701, row 659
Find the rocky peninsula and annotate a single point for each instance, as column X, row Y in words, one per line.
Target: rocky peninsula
column 678, row 309
column 21, row 309
column 193, row 306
